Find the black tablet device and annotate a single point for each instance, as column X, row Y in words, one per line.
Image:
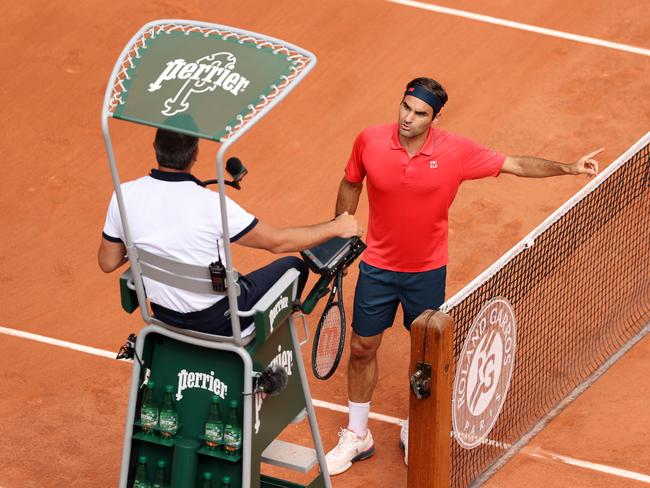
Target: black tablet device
column 332, row 256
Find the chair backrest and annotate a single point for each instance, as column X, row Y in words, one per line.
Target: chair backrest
column 188, row 277
column 191, row 277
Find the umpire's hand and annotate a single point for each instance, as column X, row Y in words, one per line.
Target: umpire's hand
column 347, row 226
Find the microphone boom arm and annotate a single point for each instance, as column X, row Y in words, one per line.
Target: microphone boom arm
column 236, row 169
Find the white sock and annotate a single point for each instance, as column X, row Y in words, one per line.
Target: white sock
column 358, row 419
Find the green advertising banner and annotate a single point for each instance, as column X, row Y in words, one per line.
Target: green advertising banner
column 271, row 414
column 266, row 321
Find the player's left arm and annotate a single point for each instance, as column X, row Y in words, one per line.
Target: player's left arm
column 111, row 255
column 532, row 167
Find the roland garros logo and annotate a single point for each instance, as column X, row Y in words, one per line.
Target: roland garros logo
column 205, row 74
column 483, row 373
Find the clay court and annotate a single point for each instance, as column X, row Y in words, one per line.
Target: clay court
column 517, row 91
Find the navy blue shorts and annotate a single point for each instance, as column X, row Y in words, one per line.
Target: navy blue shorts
column 379, row 291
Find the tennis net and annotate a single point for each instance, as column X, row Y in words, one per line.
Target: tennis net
column 579, row 286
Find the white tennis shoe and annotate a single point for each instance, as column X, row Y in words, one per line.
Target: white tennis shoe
column 404, row 440
column 349, row 450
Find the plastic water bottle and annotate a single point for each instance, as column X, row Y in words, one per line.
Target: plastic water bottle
column 159, row 479
column 168, row 414
column 149, row 409
column 232, row 432
column 141, row 478
column 207, row 480
column 214, row 425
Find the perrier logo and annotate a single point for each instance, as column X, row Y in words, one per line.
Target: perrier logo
column 215, row 71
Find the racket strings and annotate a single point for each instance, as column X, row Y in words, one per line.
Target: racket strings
column 328, row 342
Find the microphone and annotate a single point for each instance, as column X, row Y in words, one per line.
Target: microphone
column 236, row 169
column 272, row 380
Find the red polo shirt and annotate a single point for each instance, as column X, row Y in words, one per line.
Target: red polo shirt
column 409, row 198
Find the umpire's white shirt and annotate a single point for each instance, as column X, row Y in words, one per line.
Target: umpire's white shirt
column 174, row 216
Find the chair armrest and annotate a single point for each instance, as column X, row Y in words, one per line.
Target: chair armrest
column 275, row 306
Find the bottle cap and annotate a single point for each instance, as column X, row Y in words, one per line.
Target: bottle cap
column 169, row 388
column 233, row 403
column 161, row 464
column 151, row 384
column 207, row 475
column 142, row 460
column 226, row 480
column 215, row 399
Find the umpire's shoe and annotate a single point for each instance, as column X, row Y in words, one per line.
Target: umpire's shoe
column 349, row 450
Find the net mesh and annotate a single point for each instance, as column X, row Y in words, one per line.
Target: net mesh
column 133, row 53
column 580, row 291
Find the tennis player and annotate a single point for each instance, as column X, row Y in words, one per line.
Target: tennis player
column 413, row 170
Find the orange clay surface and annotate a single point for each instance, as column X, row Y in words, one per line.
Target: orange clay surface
column 62, row 411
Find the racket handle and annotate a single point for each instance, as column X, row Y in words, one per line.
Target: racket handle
column 319, row 290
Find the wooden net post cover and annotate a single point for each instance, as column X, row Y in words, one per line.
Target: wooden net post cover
column 430, row 374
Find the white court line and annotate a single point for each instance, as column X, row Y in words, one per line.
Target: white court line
column 57, row 342
column 525, row 27
column 532, row 452
column 111, row 355
column 623, row 473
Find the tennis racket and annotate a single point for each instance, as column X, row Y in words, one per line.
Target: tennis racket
column 330, row 333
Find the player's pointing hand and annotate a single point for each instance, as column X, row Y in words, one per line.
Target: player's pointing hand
column 348, row 225
column 587, row 165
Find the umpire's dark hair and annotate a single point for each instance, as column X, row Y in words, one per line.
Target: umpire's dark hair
column 175, row 150
column 430, row 84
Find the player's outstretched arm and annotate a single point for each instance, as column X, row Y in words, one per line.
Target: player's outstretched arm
column 291, row 239
column 532, row 167
column 348, row 197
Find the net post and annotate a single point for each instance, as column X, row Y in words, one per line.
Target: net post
column 429, row 453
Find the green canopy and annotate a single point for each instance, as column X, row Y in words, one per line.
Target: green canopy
column 202, row 79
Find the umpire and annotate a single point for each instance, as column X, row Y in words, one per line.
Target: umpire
column 173, row 215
